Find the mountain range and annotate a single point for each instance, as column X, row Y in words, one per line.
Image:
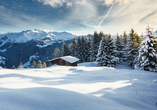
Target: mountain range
column 30, row 45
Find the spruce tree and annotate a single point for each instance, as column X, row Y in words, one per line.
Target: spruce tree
column 95, row 46
column 79, row 49
column 107, row 54
column 132, row 48
column 65, row 50
column 119, row 48
column 91, row 50
column 88, row 48
column 125, row 39
column 73, row 47
column 56, row 53
column 147, row 58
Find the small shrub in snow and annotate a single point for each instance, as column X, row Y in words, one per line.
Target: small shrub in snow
column 13, row 67
column 44, row 65
column 39, row 64
column 20, row 66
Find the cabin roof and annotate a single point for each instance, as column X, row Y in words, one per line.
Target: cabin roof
column 69, row 59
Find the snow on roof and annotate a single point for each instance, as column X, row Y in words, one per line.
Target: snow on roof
column 67, row 58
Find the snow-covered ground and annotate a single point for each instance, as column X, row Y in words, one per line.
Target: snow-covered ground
column 86, row 87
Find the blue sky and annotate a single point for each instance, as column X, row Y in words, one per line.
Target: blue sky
column 78, row 16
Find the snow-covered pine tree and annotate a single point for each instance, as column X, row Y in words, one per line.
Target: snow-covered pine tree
column 119, row 48
column 88, row 48
column 132, row 48
column 107, row 54
column 101, row 34
column 95, row 46
column 78, row 48
column 125, row 44
column 125, row 39
column 147, row 58
column 142, row 38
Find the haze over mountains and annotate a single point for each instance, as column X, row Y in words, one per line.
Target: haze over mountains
column 30, row 45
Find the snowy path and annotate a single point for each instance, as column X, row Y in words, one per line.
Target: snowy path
column 85, row 87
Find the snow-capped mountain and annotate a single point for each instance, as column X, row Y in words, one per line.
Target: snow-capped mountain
column 45, row 36
column 20, row 47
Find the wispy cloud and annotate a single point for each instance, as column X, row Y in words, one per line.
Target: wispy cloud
column 69, row 4
column 106, row 15
column 83, row 2
column 55, row 3
column 1, row 7
column 109, row 2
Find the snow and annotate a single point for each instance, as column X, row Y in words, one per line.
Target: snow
column 86, row 87
column 4, row 50
column 30, row 59
column 2, row 60
column 68, row 58
column 48, row 37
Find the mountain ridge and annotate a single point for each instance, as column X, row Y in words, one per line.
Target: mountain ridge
column 30, row 45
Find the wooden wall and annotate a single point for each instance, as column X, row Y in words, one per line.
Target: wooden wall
column 63, row 62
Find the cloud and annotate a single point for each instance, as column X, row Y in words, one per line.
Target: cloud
column 53, row 3
column 131, row 15
column 109, row 2
column 1, row 7
column 83, row 2
column 69, row 4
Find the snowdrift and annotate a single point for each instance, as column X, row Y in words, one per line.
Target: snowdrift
column 85, row 87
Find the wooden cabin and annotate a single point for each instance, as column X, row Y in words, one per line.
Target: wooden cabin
column 65, row 61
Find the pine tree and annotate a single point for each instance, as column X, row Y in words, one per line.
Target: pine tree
column 73, row 47
column 125, row 39
column 20, row 66
column 95, row 46
column 91, row 50
column 34, row 65
column 119, row 48
column 88, row 48
column 39, row 64
column 142, row 38
column 44, row 65
column 132, row 48
column 79, row 49
column 56, row 53
column 65, row 50
column 147, row 58
column 107, row 54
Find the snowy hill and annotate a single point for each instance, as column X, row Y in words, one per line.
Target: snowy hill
column 86, row 87
column 20, row 47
